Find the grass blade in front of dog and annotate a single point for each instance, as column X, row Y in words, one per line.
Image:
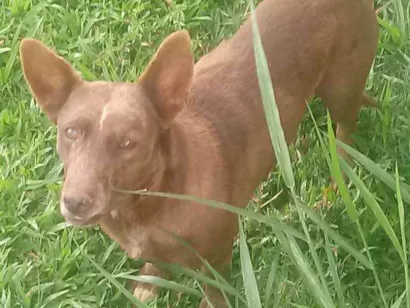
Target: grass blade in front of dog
column 202, row 278
column 274, row 223
column 297, row 257
column 269, row 104
column 249, row 280
column 337, row 173
column 271, row 221
column 307, row 271
column 283, row 158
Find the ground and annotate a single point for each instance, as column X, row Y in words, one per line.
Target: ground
column 47, row 264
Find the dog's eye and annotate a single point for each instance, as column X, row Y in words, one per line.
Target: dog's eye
column 72, row 133
column 127, row 144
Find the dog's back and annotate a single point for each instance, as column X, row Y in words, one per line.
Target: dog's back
column 318, row 47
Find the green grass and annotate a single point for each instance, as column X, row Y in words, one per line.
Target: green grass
column 337, row 251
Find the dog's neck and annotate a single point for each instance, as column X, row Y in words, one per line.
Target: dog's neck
column 167, row 172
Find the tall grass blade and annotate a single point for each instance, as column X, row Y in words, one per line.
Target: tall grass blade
column 403, row 236
column 319, row 135
column 312, row 246
column 376, row 170
column 270, row 281
column 310, row 277
column 375, row 207
column 223, row 286
column 402, row 23
column 359, row 228
column 337, row 174
column 269, row 104
column 249, row 280
column 397, row 303
column 13, row 56
column 334, row 273
column 277, row 134
column 336, row 237
column 276, row 224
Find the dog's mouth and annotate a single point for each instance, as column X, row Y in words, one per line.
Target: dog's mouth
column 79, row 219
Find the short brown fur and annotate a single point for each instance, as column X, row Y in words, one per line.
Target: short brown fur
column 197, row 129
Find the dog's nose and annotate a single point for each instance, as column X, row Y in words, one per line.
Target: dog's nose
column 75, row 204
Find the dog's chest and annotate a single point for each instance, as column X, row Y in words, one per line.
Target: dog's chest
column 134, row 239
column 140, row 239
column 137, row 244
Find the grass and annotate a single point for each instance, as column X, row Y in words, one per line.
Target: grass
column 300, row 247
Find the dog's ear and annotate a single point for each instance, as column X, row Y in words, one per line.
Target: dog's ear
column 50, row 78
column 168, row 76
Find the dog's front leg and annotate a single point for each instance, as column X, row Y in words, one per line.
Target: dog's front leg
column 145, row 291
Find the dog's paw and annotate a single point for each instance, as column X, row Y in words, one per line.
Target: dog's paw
column 145, row 293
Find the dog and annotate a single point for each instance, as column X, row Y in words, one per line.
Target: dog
column 197, row 129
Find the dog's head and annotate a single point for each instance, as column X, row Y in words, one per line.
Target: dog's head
column 108, row 133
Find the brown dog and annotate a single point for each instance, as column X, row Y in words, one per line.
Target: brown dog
column 197, row 130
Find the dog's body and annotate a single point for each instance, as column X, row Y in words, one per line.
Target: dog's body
column 216, row 146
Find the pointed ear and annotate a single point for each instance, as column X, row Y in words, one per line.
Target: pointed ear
column 168, row 77
column 50, row 78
